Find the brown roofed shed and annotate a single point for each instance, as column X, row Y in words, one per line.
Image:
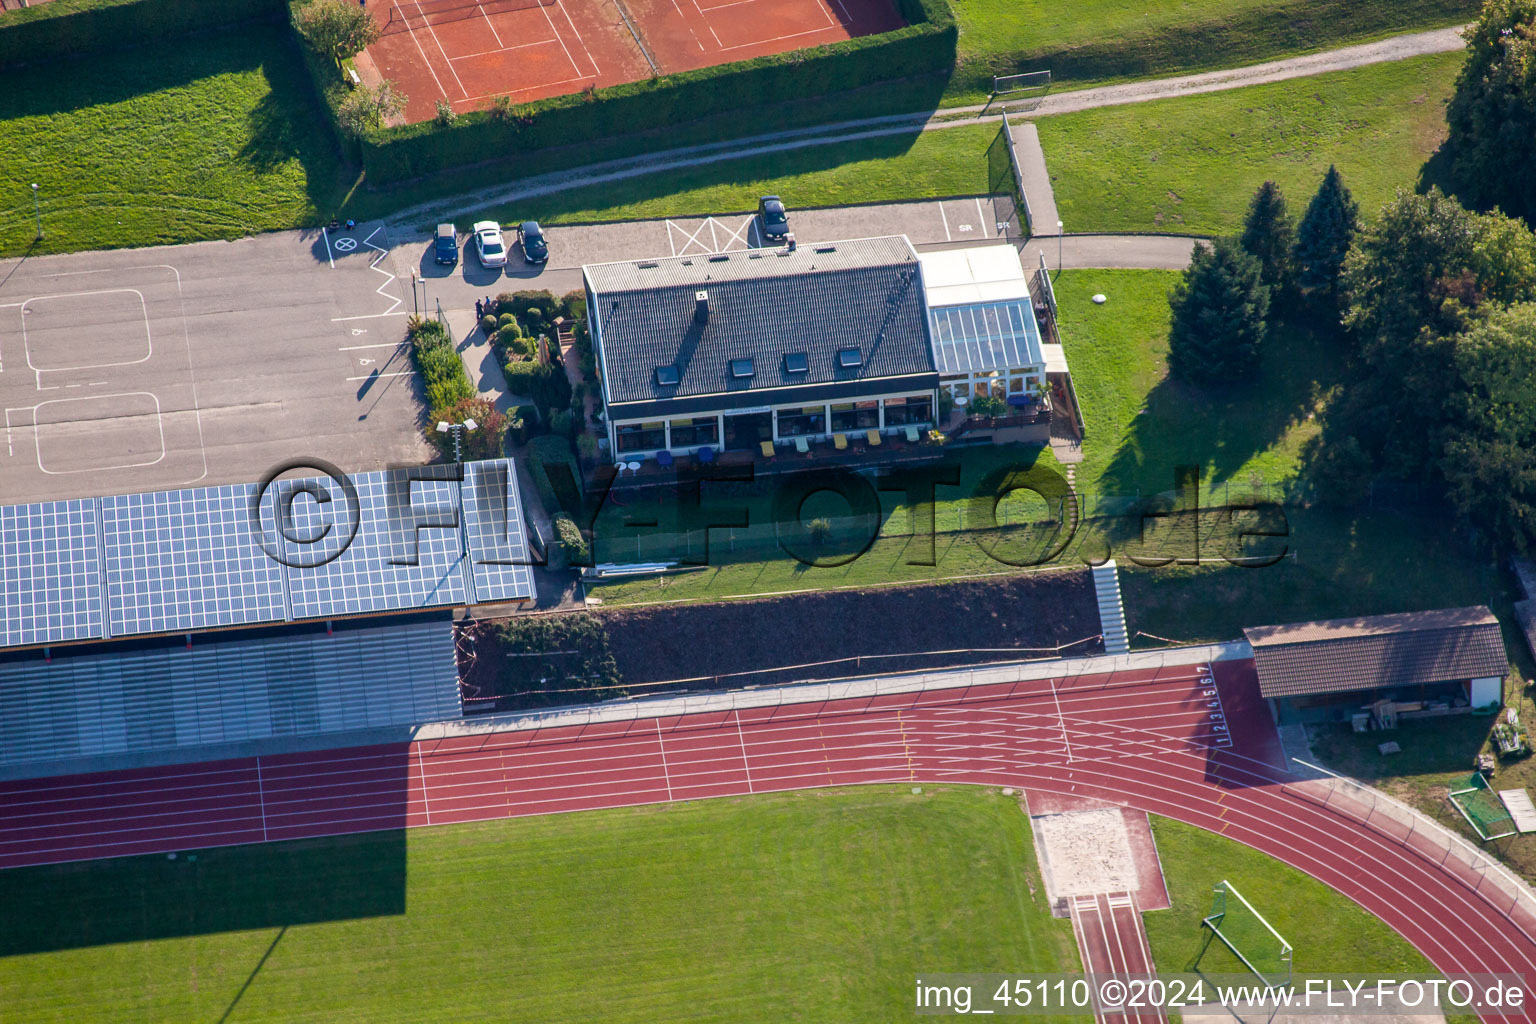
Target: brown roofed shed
column 1342, row 655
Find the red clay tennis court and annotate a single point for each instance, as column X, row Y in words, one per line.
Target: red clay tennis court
column 468, row 53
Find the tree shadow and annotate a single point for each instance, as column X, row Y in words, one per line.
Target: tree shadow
column 1220, row 432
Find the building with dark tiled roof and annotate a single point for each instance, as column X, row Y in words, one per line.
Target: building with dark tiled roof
column 731, row 350
column 1454, row 655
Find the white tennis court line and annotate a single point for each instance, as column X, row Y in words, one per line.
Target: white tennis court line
column 684, row 19
column 596, row 71
column 440, row 49
column 718, row 45
column 563, row 48
column 527, row 88
column 494, row 34
column 505, row 49
column 421, row 50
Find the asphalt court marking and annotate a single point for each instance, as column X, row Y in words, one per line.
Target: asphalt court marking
column 345, row 244
column 105, row 382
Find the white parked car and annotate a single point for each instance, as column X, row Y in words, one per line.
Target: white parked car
column 491, row 247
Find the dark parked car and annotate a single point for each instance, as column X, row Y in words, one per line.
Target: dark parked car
column 445, row 248
column 535, row 248
column 772, row 220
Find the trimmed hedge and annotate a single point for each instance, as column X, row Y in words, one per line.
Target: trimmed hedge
column 67, row 28
column 925, row 45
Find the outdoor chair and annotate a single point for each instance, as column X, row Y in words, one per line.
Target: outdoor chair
column 840, row 441
column 705, row 455
column 873, row 436
column 911, row 432
column 664, row 459
column 802, row 446
column 767, row 447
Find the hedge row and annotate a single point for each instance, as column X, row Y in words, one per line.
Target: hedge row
column 925, row 45
column 67, row 28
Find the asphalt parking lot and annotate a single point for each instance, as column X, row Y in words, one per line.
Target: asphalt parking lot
column 152, row 369
column 930, row 224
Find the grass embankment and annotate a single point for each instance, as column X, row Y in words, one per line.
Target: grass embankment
column 213, row 137
column 1141, row 425
column 1190, row 165
column 959, row 161
column 1103, row 40
column 817, row 906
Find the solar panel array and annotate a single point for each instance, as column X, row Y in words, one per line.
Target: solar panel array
column 191, row 560
column 184, row 560
column 498, row 551
column 50, row 567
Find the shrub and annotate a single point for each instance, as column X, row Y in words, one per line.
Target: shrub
column 489, row 438
column 560, row 421
column 574, row 305
column 367, row 109
column 583, row 669
column 426, row 334
column 586, row 444
column 506, row 319
column 445, row 114
column 544, row 383
column 488, row 325
column 573, row 546
column 501, row 109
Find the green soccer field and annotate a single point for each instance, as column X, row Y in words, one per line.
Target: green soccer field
column 817, row 906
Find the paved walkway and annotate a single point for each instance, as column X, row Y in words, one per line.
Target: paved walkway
column 1043, row 218
column 1079, row 252
column 480, row 360
column 1413, row 44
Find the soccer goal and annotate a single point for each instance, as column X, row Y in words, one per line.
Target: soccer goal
column 1481, row 808
column 1252, row 939
column 1030, row 81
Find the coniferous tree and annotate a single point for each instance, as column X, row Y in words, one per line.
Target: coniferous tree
column 1326, row 231
column 1492, row 116
column 1219, row 312
column 1268, row 234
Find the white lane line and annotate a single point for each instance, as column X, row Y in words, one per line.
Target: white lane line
column 663, row 746
column 426, row 801
column 947, row 236
column 369, row 316
column 1063, row 720
column 328, row 254
column 743, row 741
column 262, row 793
column 981, row 217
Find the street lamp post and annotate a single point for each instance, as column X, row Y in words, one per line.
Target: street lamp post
column 37, row 211
column 457, row 430
column 1058, row 248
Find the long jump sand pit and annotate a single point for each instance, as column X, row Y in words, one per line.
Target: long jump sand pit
column 467, row 54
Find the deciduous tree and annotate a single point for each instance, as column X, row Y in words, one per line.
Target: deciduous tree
column 337, row 28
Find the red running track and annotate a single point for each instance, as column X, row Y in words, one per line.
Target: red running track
column 1180, row 742
column 1109, row 934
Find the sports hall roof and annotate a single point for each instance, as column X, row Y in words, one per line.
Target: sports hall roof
column 210, row 557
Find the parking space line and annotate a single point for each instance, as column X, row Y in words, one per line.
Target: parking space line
column 947, row 236
column 377, row 344
column 328, row 254
column 370, row 376
column 981, row 217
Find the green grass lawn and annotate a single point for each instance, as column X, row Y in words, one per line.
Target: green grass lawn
column 1189, row 165
column 959, row 161
column 213, row 137
column 1328, row 933
column 1098, row 40
column 1140, row 425
column 814, row 906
